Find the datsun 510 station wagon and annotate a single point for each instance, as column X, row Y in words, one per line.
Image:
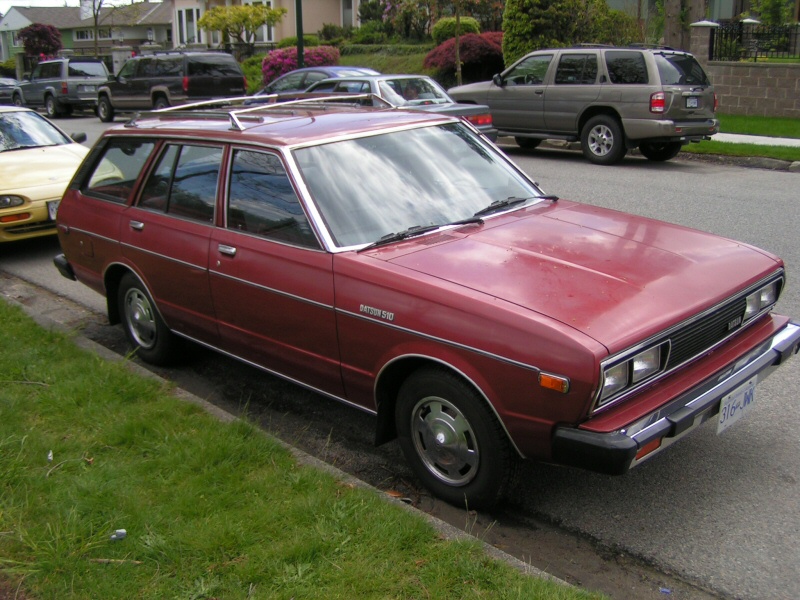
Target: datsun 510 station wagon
column 401, row 263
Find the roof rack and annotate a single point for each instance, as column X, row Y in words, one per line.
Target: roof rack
column 270, row 103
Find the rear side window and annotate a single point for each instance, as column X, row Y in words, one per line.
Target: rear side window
column 115, row 172
column 51, row 70
column 262, row 201
column 86, row 69
column 577, row 69
column 212, row 65
column 168, row 67
column 626, row 67
column 680, row 69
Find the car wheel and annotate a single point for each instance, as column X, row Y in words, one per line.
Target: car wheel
column 527, row 143
column 602, row 141
column 18, row 100
column 452, row 441
column 153, row 342
column 160, row 103
column 51, row 107
column 104, row 109
column 660, row 150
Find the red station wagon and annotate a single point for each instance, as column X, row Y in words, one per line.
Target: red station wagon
column 401, row 263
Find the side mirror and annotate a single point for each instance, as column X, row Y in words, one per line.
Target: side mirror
column 79, row 137
column 26, row 77
column 497, row 79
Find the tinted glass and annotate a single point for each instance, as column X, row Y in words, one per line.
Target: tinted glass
column 262, row 201
column 626, row 67
column 680, row 69
column 128, row 69
column 212, row 65
column 169, row 67
column 577, row 69
column 115, row 173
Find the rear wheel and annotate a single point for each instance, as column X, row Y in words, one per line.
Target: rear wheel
column 660, row 151
column 151, row 338
column 160, row 102
column 51, row 107
column 452, row 440
column 527, row 143
column 104, row 109
column 602, row 141
column 18, row 100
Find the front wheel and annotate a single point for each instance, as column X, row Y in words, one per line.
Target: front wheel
column 602, row 141
column 452, row 441
column 660, row 151
column 104, row 109
column 146, row 331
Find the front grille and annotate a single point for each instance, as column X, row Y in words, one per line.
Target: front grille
column 703, row 334
column 31, row 227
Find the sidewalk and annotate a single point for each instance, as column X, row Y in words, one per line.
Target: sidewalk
column 760, row 140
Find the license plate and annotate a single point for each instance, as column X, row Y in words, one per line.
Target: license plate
column 736, row 405
column 692, row 102
column 87, row 88
column 52, row 209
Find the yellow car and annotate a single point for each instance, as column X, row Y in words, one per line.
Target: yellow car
column 37, row 162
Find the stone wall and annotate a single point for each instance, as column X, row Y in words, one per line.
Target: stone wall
column 749, row 88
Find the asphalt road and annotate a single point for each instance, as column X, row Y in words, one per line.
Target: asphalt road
column 720, row 511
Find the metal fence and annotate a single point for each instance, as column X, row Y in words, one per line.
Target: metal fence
column 740, row 40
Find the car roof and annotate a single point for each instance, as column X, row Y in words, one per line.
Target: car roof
column 287, row 124
column 9, row 109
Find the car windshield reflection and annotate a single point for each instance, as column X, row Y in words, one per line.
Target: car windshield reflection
column 369, row 187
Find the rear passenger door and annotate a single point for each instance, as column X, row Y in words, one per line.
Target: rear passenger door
column 166, row 233
column 575, row 86
column 271, row 281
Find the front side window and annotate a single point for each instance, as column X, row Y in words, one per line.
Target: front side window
column 530, row 71
column 184, row 182
column 626, row 67
column 117, row 169
column 128, row 69
column 262, row 201
column 577, row 69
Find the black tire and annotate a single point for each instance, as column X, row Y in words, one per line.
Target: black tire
column 104, row 109
column 527, row 143
column 452, row 441
column 51, row 107
column 602, row 141
column 17, row 100
column 152, row 340
column 660, row 151
column 160, row 102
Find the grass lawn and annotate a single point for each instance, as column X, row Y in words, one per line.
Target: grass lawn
column 211, row 510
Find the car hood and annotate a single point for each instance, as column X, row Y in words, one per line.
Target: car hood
column 615, row 277
column 477, row 92
column 60, row 163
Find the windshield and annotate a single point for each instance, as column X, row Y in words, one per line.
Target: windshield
column 369, row 187
column 26, row 129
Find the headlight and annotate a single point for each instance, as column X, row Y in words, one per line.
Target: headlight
column 761, row 299
column 9, row 201
column 635, row 369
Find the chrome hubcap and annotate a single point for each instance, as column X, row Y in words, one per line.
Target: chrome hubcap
column 601, row 140
column 140, row 318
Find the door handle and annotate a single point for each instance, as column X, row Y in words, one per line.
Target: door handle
column 137, row 225
column 227, row 250
column 539, row 92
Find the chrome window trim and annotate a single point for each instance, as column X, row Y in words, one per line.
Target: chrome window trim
column 778, row 275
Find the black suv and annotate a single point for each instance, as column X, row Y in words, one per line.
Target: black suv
column 61, row 85
column 170, row 79
column 610, row 99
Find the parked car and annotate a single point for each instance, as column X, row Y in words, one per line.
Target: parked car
column 299, row 79
column 37, row 161
column 7, row 86
column 412, row 92
column 163, row 79
column 62, row 85
column 399, row 262
column 611, row 99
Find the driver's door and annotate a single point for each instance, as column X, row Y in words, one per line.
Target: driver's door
column 518, row 105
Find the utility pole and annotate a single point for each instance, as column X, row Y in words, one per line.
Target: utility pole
column 299, row 26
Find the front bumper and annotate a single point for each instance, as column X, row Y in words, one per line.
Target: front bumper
column 615, row 453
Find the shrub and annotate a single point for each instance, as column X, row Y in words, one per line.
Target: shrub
column 370, row 32
column 445, row 28
column 283, row 60
column 481, row 57
column 308, row 41
column 9, row 68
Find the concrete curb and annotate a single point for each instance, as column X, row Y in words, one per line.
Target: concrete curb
column 55, row 313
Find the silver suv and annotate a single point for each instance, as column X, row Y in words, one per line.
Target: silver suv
column 610, row 99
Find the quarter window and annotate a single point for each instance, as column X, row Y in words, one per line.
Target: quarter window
column 115, row 173
column 577, row 69
column 626, row 67
column 262, row 201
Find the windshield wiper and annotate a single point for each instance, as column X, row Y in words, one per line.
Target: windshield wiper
column 399, row 236
column 511, row 201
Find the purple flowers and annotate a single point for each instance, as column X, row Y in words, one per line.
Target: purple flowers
column 283, row 60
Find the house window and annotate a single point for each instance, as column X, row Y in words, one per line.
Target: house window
column 103, row 34
column 265, row 33
column 84, row 35
column 187, row 26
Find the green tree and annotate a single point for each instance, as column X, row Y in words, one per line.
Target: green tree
column 772, row 12
column 240, row 24
column 40, row 39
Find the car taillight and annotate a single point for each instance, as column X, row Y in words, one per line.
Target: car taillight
column 716, row 102
column 480, row 120
column 185, row 84
column 658, row 102
column 64, row 88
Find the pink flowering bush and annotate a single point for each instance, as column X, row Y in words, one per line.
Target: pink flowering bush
column 281, row 61
column 481, row 57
